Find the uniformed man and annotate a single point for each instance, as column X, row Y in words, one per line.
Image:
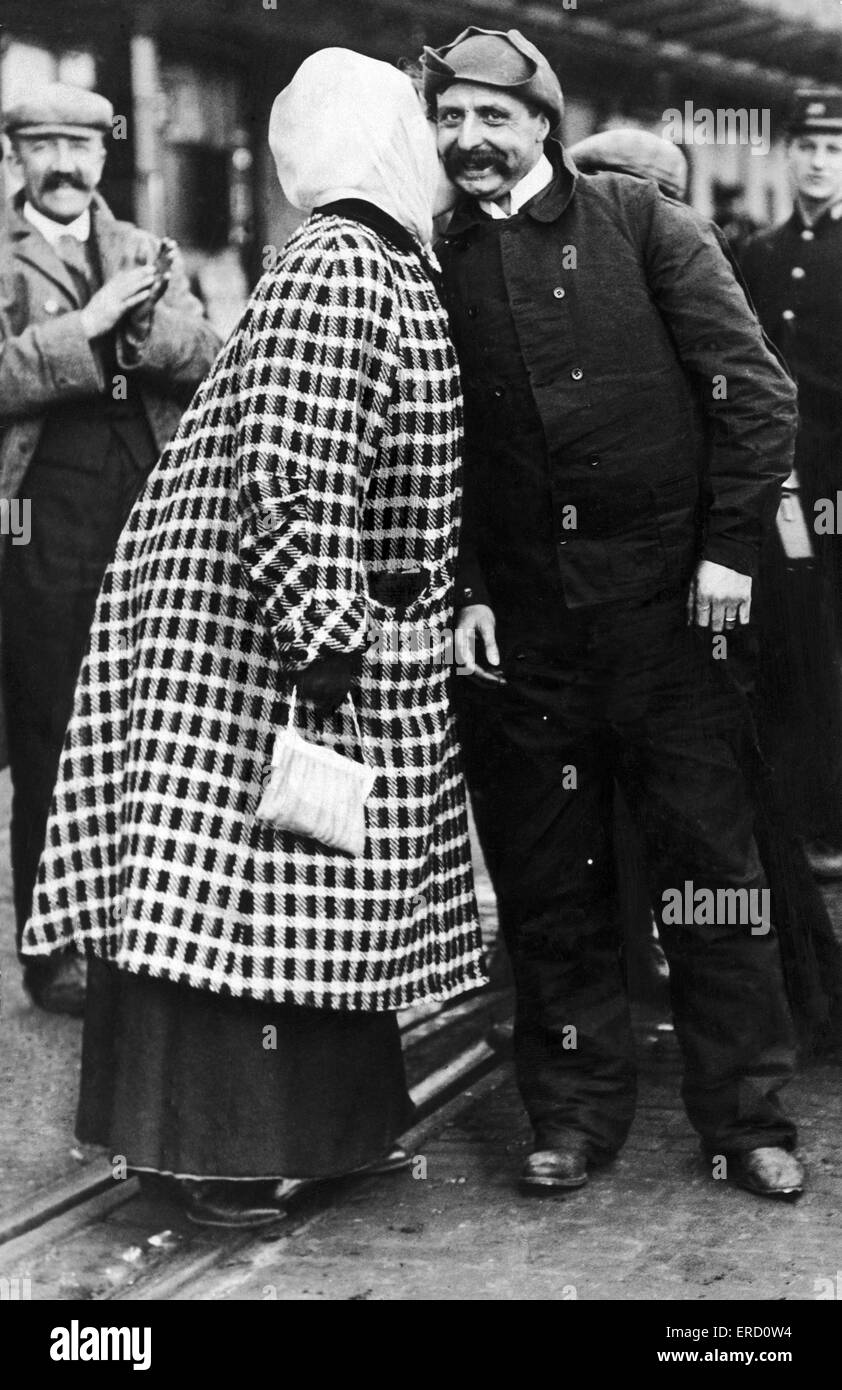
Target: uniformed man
column 794, row 274
column 590, row 315
column 101, row 347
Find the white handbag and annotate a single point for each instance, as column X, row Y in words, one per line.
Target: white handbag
column 316, row 792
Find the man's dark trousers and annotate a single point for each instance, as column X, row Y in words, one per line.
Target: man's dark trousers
column 631, row 691
column 49, row 594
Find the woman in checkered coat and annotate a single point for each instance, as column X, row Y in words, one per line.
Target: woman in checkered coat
column 243, row 981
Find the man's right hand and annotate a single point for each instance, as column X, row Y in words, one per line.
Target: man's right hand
column 124, row 291
column 477, row 620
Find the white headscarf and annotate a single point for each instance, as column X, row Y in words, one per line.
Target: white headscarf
column 348, row 126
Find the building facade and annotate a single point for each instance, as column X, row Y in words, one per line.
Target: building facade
column 195, row 82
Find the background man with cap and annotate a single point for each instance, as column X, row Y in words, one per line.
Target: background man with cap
column 794, row 274
column 100, row 350
column 595, row 561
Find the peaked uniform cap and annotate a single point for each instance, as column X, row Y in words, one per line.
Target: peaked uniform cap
column 631, row 151
column 819, row 111
column 495, row 58
column 56, row 108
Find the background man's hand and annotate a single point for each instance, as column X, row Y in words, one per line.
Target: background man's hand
column 123, row 292
column 719, row 597
column 477, row 620
column 139, row 321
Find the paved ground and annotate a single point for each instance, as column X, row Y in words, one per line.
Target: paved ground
column 654, row 1225
column 651, row 1226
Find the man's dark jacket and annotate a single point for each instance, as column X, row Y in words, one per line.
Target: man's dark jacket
column 794, row 273
column 627, row 314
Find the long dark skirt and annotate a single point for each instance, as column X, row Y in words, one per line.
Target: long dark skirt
column 184, row 1082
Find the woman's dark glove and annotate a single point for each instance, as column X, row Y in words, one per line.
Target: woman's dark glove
column 328, row 681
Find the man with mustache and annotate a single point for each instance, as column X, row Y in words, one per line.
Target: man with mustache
column 101, row 347
column 794, row 273
column 607, row 562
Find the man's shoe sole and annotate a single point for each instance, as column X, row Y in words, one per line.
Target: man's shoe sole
column 242, row 1221
column 553, row 1184
column 781, row 1194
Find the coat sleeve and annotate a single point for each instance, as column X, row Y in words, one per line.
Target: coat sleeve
column 748, row 397
column 320, row 355
column 181, row 345
column 41, row 364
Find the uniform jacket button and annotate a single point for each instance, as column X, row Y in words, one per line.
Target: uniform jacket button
column 808, row 234
column 788, row 315
column 594, row 460
column 472, row 311
column 558, row 292
column 798, row 272
column 577, row 374
column 499, row 391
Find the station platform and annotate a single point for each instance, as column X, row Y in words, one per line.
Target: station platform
column 651, row 1226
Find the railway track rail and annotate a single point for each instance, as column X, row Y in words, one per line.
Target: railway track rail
column 92, row 1236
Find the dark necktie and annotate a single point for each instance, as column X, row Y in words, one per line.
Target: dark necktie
column 74, row 255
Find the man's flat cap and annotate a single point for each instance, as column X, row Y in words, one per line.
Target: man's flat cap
column 495, row 58
column 57, row 109
column 818, row 111
column 628, row 150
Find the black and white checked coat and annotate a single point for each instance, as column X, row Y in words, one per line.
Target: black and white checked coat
column 323, row 447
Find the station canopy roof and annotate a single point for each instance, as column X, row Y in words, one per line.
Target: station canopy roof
column 799, row 38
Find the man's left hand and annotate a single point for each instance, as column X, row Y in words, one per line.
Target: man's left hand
column 719, row 598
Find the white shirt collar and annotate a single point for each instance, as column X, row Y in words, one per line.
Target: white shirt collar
column 538, row 177
column 80, row 227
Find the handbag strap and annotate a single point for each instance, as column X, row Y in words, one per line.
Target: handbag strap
column 357, row 730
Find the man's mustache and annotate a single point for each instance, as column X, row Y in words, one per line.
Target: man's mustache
column 54, row 181
column 465, row 161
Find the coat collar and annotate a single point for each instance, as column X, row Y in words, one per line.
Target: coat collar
column 830, row 218
column 30, row 246
column 546, row 206
column 360, row 210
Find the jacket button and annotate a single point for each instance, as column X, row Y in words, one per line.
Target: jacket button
column 593, row 460
column 807, row 234
column 467, row 593
column 472, row 311
column 577, row 374
column 558, row 292
column 788, row 315
column 420, row 900
column 499, row 391
column 561, row 543
column 798, row 272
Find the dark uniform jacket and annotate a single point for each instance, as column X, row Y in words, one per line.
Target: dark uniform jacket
column 794, row 273
column 621, row 310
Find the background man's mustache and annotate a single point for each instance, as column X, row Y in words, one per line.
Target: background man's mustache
column 53, row 181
